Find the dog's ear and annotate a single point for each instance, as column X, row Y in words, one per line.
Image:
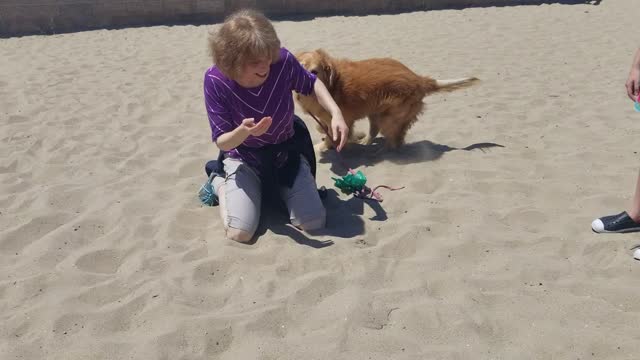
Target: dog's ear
column 323, row 53
column 327, row 67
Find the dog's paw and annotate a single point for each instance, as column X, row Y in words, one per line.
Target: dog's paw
column 367, row 140
column 357, row 136
column 320, row 147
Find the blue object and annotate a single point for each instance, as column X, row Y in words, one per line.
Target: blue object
column 207, row 193
column 637, row 106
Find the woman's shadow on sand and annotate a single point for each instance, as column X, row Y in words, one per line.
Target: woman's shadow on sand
column 344, row 221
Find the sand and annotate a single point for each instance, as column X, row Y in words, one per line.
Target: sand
column 107, row 253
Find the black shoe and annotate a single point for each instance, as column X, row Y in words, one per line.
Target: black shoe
column 322, row 192
column 620, row 223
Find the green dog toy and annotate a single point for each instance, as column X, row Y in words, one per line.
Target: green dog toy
column 355, row 183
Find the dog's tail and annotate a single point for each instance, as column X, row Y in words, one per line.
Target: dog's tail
column 449, row 84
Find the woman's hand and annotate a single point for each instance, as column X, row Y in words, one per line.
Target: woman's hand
column 633, row 82
column 233, row 139
column 256, row 129
column 339, row 128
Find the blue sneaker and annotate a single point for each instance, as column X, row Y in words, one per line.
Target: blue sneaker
column 620, row 223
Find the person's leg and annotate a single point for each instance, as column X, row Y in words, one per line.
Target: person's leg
column 634, row 210
column 306, row 210
column 626, row 221
column 240, row 198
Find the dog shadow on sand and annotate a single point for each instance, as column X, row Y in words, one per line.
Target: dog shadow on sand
column 344, row 217
column 355, row 155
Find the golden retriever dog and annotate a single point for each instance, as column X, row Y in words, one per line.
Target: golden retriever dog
column 383, row 89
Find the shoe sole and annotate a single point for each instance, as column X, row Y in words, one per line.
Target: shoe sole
column 636, row 229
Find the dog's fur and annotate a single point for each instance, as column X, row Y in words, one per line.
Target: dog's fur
column 384, row 90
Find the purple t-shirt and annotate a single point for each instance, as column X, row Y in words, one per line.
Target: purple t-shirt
column 228, row 104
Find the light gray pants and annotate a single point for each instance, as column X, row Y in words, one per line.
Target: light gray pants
column 243, row 197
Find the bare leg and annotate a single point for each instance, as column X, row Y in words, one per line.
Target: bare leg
column 634, row 210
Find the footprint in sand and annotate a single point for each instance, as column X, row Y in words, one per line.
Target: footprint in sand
column 15, row 119
column 101, row 261
column 17, row 239
column 69, row 324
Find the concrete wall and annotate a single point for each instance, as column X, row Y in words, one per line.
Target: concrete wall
column 24, row 17
column 27, row 17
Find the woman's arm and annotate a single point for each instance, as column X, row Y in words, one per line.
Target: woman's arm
column 232, row 139
column 338, row 125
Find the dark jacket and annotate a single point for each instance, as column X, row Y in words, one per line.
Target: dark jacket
column 299, row 144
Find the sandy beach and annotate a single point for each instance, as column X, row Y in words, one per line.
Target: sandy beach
column 107, row 253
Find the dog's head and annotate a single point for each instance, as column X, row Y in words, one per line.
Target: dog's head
column 321, row 64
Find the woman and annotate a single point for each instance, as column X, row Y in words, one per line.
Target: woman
column 253, row 78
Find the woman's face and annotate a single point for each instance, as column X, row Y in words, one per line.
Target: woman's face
column 254, row 73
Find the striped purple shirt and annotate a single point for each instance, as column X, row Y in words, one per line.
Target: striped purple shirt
column 228, row 104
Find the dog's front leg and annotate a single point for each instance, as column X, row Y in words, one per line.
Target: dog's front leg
column 320, row 147
column 325, row 145
column 374, row 130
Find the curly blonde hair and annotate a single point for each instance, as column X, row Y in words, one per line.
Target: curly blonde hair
column 245, row 36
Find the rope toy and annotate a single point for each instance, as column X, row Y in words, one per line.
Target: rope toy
column 207, row 194
column 355, row 183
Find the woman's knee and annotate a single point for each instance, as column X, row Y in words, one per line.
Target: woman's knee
column 315, row 223
column 240, row 200
column 239, row 235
